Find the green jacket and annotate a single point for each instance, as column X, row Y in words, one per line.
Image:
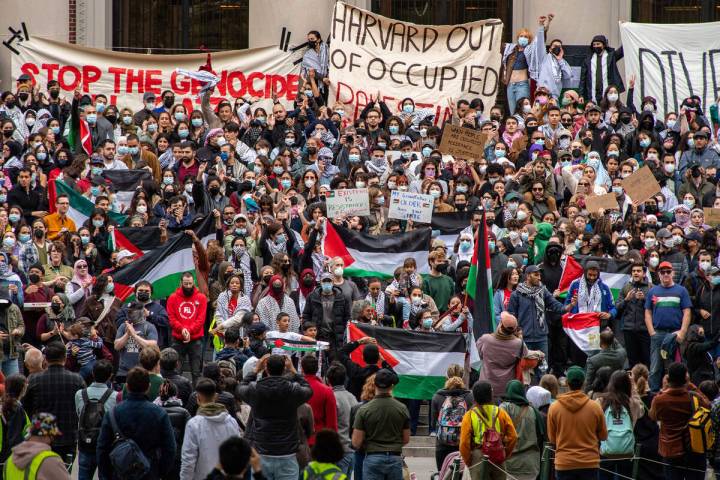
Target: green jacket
column 14, row 322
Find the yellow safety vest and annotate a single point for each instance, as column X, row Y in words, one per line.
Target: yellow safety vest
column 479, row 422
column 30, row 473
column 2, row 433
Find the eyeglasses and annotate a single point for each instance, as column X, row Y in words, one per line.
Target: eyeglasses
column 583, row 184
column 665, row 272
column 539, row 189
column 82, row 266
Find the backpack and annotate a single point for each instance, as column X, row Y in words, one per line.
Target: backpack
column 91, row 417
column 492, row 444
column 701, row 436
column 449, row 420
column 128, row 461
column 620, row 439
column 337, row 474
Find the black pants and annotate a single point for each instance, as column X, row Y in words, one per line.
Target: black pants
column 576, row 474
column 558, row 348
column 691, row 466
column 637, row 345
column 193, row 351
column 67, row 454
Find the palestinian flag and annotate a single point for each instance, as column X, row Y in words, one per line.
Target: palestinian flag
column 376, row 255
column 583, row 329
column 296, row 345
column 420, row 359
column 80, row 132
column 479, row 284
column 136, row 240
column 614, row 273
column 162, row 267
column 447, row 226
column 80, row 206
column 124, row 183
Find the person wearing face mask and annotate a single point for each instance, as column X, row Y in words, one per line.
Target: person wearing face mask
column 498, row 259
column 102, row 307
column 207, row 193
column 670, row 252
column 521, row 61
column 155, row 314
column 58, row 316
column 700, row 155
column 146, row 111
column 331, row 321
column 438, row 284
column 100, row 129
column 695, row 183
column 555, row 71
column 703, row 285
column 10, row 110
column 599, row 70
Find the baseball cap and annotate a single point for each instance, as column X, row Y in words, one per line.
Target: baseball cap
column 326, row 276
column 96, row 160
column 564, row 153
column 257, row 328
column 665, row 266
column 122, row 254
column 663, row 233
column 385, row 378
column 593, row 108
column 148, row 96
column 694, row 236
column 532, row 269
column 701, row 133
column 240, row 216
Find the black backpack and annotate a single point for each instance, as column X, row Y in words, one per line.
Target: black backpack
column 91, row 417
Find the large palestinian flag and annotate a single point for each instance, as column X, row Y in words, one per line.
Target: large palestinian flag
column 420, row 359
column 124, row 183
column 614, row 273
column 447, row 226
column 162, row 267
column 479, row 284
column 376, row 255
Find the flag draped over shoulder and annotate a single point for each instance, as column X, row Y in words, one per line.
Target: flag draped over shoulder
column 479, row 285
column 420, row 359
column 376, row 255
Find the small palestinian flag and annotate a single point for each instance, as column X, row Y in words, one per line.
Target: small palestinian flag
column 583, row 329
column 296, row 345
column 479, row 284
column 614, row 273
column 447, row 226
column 138, row 240
column 376, row 255
column 162, row 267
column 124, row 183
column 420, row 359
column 80, row 206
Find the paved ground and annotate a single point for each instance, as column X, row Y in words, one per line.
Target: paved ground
column 422, row 466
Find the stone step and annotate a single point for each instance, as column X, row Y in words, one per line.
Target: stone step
column 425, row 451
column 421, row 441
column 422, row 430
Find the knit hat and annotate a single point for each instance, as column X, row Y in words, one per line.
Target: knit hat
column 575, row 374
column 43, row 425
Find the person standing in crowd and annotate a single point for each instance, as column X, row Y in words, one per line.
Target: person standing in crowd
column 630, row 308
column 186, row 309
column 611, row 355
column 345, row 401
column 53, row 391
column 576, row 425
column 34, row 458
column 381, row 428
column 147, row 424
column 524, row 463
column 447, row 408
column 667, row 312
column 322, row 400
column 599, row 70
column 500, row 352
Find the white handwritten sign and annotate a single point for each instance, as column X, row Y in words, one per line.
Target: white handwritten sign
column 351, row 201
column 411, row 206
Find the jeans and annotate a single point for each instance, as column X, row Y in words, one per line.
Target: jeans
column 576, row 474
column 87, row 464
column 690, row 466
column 193, row 350
column 382, row 467
column 358, row 461
column 405, row 304
column 86, row 371
column 516, row 91
column 10, row 366
column 346, row 464
column 280, row 468
column 657, row 367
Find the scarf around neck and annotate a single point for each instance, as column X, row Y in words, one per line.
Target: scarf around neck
column 536, row 293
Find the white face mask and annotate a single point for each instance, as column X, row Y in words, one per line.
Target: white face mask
column 521, row 215
column 653, row 262
column 669, row 167
column 705, row 266
column 649, row 242
column 622, row 249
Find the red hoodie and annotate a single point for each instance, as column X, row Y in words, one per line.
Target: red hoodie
column 187, row 312
column 323, row 406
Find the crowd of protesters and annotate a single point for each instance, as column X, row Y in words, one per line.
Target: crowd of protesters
column 94, row 381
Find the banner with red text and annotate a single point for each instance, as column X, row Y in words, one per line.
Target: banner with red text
column 124, row 77
column 371, row 54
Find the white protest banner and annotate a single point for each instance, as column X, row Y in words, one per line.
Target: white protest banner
column 371, row 54
column 351, row 201
column 672, row 62
column 124, row 77
column 411, row 206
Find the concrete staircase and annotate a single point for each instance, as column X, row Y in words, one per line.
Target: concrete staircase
column 421, row 444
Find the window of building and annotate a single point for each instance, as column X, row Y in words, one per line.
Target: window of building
column 675, row 11
column 179, row 26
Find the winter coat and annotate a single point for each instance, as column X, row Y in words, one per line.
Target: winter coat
column 632, row 312
column 341, row 312
column 523, row 308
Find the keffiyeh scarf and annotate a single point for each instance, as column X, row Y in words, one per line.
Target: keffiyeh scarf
column 242, row 261
column 536, row 293
column 589, row 300
column 377, row 303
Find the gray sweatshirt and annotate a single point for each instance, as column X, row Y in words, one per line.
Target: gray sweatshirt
column 345, row 401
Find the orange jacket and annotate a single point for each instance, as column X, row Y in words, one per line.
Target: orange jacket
column 508, row 433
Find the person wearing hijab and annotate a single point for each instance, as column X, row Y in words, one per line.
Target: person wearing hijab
column 232, row 303
column 12, row 156
column 540, row 398
column 524, row 463
column 80, row 286
column 274, row 302
column 57, row 319
column 306, row 287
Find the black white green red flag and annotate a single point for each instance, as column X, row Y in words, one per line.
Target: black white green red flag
column 479, row 285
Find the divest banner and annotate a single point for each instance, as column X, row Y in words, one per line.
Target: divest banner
column 371, row 54
column 672, row 62
column 124, row 77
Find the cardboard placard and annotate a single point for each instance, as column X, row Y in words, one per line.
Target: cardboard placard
column 462, row 142
column 712, row 216
column 593, row 203
column 411, row 206
column 347, row 202
column 519, row 144
column 641, row 185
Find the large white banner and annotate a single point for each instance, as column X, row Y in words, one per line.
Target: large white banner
column 124, row 77
column 673, row 61
column 370, row 53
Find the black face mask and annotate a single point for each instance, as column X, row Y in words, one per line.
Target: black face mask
column 214, row 190
column 56, row 308
column 531, row 130
column 556, row 50
column 10, row 104
column 312, row 150
column 23, row 96
column 625, row 119
column 302, row 118
column 143, row 296
column 495, row 118
column 168, row 101
column 308, row 281
column 576, row 152
column 460, row 206
column 266, row 279
column 188, row 291
column 111, row 118
column 651, row 209
column 54, row 94
column 587, row 141
column 34, row 278
column 490, row 222
column 38, row 233
column 285, row 267
column 442, row 267
column 598, row 50
column 8, row 133
column 277, row 288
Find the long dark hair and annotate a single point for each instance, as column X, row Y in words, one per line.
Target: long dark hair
column 14, row 386
column 100, row 283
column 602, row 379
column 618, row 393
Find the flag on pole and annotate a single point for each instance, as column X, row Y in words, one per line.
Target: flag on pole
column 479, row 285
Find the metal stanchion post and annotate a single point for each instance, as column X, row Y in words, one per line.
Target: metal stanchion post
column 545, row 463
column 636, row 461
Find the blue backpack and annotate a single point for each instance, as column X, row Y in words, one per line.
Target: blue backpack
column 128, row 461
column 620, row 439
